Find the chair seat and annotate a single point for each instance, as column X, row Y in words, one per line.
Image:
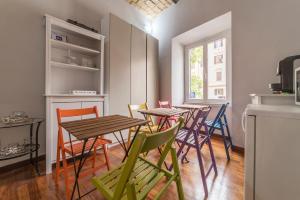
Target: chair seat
column 216, row 126
column 144, row 176
column 181, row 135
column 78, row 145
column 145, row 129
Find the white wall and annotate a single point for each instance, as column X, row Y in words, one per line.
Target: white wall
column 22, row 51
column 263, row 32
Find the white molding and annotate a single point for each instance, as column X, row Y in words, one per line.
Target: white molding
column 66, row 25
column 204, row 42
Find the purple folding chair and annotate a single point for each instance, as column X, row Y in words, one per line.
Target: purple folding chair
column 195, row 136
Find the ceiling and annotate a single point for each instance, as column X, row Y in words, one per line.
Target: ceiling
column 152, row 8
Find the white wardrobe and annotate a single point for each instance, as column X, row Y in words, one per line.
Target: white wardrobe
column 131, row 66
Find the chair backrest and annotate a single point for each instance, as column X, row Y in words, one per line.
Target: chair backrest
column 164, row 104
column 145, row 143
column 199, row 119
column 73, row 113
column 219, row 116
column 135, row 108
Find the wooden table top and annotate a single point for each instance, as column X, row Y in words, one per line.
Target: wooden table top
column 191, row 106
column 164, row 112
column 89, row 128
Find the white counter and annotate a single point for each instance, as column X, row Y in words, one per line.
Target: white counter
column 273, row 99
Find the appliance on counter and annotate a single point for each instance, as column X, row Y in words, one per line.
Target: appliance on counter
column 286, row 72
column 272, row 160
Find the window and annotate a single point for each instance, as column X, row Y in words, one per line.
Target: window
column 219, row 92
column 196, row 73
column 206, row 70
column 218, row 44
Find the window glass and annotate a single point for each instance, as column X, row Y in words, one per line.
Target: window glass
column 196, row 73
column 216, row 69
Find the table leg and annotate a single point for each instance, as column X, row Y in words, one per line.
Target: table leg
column 160, row 127
column 190, row 116
column 123, row 145
column 132, row 141
column 37, row 150
column 123, row 141
column 145, row 116
column 81, row 163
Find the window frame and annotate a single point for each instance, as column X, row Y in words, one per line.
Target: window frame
column 204, row 42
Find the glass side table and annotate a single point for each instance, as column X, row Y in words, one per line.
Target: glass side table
column 24, row 149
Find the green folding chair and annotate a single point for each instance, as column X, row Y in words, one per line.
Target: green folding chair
column 137, row 176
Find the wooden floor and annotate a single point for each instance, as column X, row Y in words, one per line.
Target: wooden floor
column 22, row 183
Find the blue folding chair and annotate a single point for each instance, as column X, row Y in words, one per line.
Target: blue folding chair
column 220, row 123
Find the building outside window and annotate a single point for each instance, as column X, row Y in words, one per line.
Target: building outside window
column 218, row 59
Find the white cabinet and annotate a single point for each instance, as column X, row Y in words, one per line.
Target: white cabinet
column 272, row 160
column 77, row 63
column 52, row 126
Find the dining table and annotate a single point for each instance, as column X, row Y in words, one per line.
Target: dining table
column 192, row 109
column 165, row 114
column 87, row 129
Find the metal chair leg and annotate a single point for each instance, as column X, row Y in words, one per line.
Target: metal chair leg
column 227, row 129
column 212, row 156
column 203, row 176
column 225, row 144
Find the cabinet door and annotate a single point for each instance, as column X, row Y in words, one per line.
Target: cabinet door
column 277, row 160
column 119, row 79
column 152, row 72
column 138, row 66
column 73, row 105
column 90, row 104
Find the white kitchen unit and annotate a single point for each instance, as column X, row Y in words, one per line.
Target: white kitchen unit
column 55, row 102
column 74, row 61
column 272, row 160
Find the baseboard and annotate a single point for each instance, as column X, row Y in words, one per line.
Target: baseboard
column 217, row 136
column 238, row 149
column 19, row 164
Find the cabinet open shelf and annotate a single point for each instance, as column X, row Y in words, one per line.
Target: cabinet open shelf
column 65, row 45
column 72, row 66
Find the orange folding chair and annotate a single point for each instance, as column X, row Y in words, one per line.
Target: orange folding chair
column 64, row 149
